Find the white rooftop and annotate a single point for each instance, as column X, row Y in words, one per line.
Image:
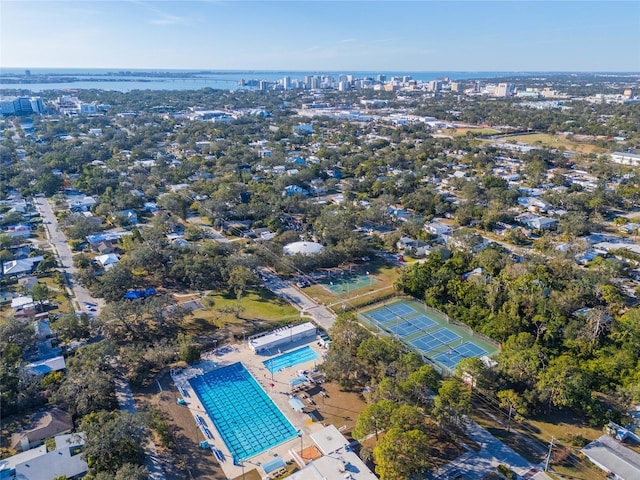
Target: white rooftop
column 609, row 454
column 38, row 464
column 303, row 248
column 344, row 465
column 329, row 440
column 285, row 332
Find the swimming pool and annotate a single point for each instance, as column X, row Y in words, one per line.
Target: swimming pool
column 247, row 419
column 289, row 359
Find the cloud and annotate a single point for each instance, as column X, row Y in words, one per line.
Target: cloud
column 161, row 17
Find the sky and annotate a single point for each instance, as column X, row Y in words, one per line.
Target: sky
column 322, row 35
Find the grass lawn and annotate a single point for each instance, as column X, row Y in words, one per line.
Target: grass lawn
column 458, row 132
column 256, row 309
column 563, row 426
column 556, row 141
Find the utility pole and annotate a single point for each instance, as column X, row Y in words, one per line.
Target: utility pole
column 551, row 445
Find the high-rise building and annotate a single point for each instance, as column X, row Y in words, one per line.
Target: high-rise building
column 286, row 83
column 21, row 105
column 504, row 90
column 382, row 78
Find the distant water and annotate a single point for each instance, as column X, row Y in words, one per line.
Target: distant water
column 127, row 80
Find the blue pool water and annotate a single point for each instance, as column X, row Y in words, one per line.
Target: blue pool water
column 247, row 419
column 289, row 359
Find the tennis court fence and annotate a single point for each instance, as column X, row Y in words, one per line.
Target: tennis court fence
column 459, row 324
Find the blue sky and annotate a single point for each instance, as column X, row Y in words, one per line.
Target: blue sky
column 326, row 35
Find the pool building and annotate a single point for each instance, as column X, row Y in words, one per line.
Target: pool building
column 270, row 342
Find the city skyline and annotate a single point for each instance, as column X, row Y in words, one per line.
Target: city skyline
column 330, row 35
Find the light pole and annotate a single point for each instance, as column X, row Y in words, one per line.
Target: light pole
column 242, row 465
column 300, row 435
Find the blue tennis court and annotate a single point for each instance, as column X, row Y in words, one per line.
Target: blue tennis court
column 389, row 313
column 247, row 419
column 409, row 327
column 451, row 358
column 434, row 340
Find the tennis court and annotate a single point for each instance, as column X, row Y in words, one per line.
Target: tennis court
column 348, row 283
column 451, row 357
column 435, row 340
column 409, row 327
column 428, row 332
column 391, row 312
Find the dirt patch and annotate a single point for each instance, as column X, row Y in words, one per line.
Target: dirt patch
column 190, row 461
column 339, row 408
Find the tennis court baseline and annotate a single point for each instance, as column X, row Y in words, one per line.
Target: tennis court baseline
column 451, row 358
column 435, row 339
column 409, row 327
column 391, row 312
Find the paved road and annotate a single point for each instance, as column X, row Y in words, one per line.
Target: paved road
column 474, row 465
column 83, row 301
column 296, row 297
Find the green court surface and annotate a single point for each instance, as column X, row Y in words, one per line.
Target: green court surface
column 341, row 284
column 428, row 332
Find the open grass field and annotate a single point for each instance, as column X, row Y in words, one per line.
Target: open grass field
column 556, row 141
column 458, row 132
column 256, row 309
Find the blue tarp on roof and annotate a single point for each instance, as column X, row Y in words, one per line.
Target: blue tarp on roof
column 134, row 294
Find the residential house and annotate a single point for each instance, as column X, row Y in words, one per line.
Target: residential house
column 292, row 190
column 437, row 228
column 107, row 261
column 44, row 425
column 15, row 231
column 23, row 266
column 536, row 222
column 40, row 464
column 620, row 462
column 414, row 248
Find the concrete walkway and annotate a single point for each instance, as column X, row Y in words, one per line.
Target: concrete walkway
column 127, row 403
column 475, row 465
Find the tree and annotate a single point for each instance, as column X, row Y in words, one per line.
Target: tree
column 400, row 454
column 85, row 390
column 452, row 402
column 188, row 351
column 72, row 327
column 514, row 404
column 419, row 383
column 113, row 439
column 563, row 384
column 472, row 371
column 40, row 293
column 374, row 419
column 239, row 278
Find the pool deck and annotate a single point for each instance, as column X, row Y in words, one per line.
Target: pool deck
column 229, row 354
